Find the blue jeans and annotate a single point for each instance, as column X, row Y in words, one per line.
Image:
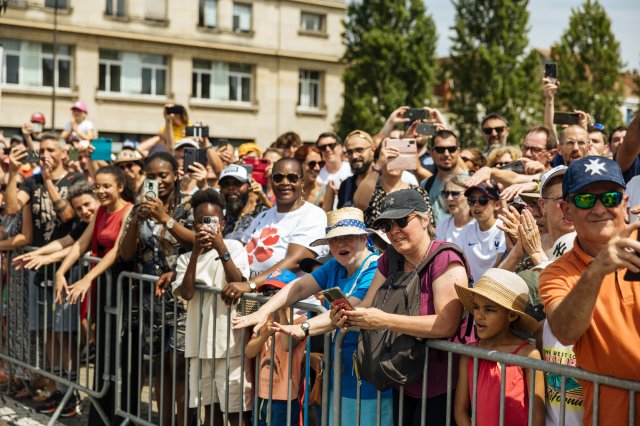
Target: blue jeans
column 278, row 412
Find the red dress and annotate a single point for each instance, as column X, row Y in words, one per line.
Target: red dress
column 516, row 402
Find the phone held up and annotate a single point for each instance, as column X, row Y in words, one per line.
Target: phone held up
column 407, row 154
column 551, row 71
column 197, row 131
column 414, row 114
column 566, row 118
column 211, row 224
column 426, row 129
column 150, row 188
column 194, row 155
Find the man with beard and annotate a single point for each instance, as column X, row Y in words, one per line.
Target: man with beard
column 359, row 150
column 244, row 200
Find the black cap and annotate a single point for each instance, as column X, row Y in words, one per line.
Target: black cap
column 401, row 203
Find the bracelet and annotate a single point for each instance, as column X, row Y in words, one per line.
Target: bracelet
column 375, row 169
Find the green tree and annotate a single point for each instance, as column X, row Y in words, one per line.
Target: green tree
column 492, row 69
column 389, row 58
column 590, row 66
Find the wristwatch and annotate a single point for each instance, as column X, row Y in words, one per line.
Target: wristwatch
column 305, row 327
column 170, row 223
column 224, row 256
column 253, row 286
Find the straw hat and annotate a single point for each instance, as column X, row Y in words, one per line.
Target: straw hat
column 504, row 288
column 128, row 155
column 344, row 221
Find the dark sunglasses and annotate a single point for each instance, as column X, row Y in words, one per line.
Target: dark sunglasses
column 483, row 201
column 608, row 199
column 386, row 225
column 327, row 147
column 350, row 152
column 313, row 164
column 127, row 165
column 454, row 194
column 489, row 130
column 442, row 149
column 279, row 177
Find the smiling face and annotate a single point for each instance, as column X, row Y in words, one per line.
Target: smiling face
column 311, row 173
column 348, row 249
column 446, row 160
column 410, row 238
column 107, row 189
column 287, row 192
column 330, row 148
column 491, row 319
column 550, row 207
column 494, row 132
column 85, row 206
column 165, row 174
column 359, row 152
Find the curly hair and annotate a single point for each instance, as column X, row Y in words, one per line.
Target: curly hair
column 128, row 186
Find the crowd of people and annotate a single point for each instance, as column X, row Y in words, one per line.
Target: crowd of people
column 545, row 227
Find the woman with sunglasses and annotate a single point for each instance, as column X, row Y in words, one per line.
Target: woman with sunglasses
column 451, row 227
column 278, row 238
column 313, row 191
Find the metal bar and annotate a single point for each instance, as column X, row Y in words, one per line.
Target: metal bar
column 503, row 383
column 337, row 382
column 474, row 396
column 563, row 400
column 449, row 386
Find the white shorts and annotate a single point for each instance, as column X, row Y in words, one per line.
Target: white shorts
column 213, row 391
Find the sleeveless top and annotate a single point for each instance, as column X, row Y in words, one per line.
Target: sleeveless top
column 516, row 402
column 106, row 229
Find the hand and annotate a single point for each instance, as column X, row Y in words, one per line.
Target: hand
column 234, row 291
column 15, row 155
column 199, row 173
column 32, row 261
column 367, row 318
column 256, row 188
column 549, row 89
column 338, row 318
column 293, row 330
column 46, row 165
column 74, row 167
column 27, row 128
column 163, row 282
column 510, row 220
column 512, row 191
column 397, row 117
column 532, row 167
column 619, row 252
column 167, row 116
column 156, row 208
column 633, row 210
column 74, row 126
column 61, row 286
column 258, row 319
column 386, row 153
column 78, row 290
column 436, row 117
column 529, row 236
column 584, row 119
column 226, row 154
column 482, row 175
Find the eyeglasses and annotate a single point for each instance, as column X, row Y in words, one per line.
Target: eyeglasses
column 279, row 177
column 580, row 144
column 483, row 201
column 386, row 225
column 489, row 130
column 343, row 239
column 533, row 149
column 327, row 147
column 608, row 199
column 350, row 152
column 454, row 194
column 313, row 164
column 442, row 149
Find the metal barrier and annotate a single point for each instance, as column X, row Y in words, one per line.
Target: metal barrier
column 42, row 336
column 151, row 341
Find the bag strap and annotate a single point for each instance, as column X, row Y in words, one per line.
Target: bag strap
column 429, row 182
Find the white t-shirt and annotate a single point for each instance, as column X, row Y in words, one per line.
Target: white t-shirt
column 83, row 127
column 269, row 235
column 200, row 341
column 482, row 247
column 446, row 230
column 633, row 191
column 343, row 172
column 409, row 178
column 556, row 352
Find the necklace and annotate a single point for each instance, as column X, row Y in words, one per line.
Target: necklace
column 424, row 256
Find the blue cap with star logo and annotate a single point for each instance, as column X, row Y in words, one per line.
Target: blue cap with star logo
column 588, row 170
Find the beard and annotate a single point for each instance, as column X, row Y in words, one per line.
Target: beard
column 362, row 169
column 235, row 206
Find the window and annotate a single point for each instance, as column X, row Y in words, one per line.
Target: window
column 208, row 13
column 61, row 4
column 132, row 73
column 29, row 64
column 309, row 90
column 115, row 8
column 312, row 22
column 222, row 81
column 155, row 10
column 241, row 17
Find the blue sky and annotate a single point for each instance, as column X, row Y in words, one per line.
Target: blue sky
column 549, row 18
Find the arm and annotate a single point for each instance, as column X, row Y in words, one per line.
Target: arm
column 463, row 400
column 25, row 236
column 15, row 199
column 129, row 244
column 329, row 196
column 77, row 249
column 538, row 398
column 395, row 118
column 214, row 159
column 363, row 194
column 256, row 343
column 146, row 145
column 91, row 134
column 630, row 148
column 549, row 89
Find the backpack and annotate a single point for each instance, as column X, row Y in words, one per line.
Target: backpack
column 387, row 358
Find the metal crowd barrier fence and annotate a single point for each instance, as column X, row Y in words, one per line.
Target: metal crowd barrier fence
column 450, row 349
column 152, row 376
column 55, row 341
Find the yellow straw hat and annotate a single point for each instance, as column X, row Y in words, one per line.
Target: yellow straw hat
column 341, row 222
column 507, row 290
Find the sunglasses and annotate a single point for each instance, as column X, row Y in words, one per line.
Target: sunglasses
column 127, row 165
column 350, row 152
column 608, row 199
column 442, row 149
column 489, row 130
column 454, row 194
column 483, row 201
column 386, row 225
column 327, row 147
column 313, row 164
column 279, row 177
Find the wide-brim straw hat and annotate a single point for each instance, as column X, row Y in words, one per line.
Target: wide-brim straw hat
column 504, row 288
column 127, row 156
column 342, row 222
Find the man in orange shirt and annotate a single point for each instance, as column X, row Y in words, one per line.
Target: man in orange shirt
column 588, row 300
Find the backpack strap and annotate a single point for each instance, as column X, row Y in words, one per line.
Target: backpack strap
column 429, row 182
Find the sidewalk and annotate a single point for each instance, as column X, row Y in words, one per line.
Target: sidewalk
column 21, row 413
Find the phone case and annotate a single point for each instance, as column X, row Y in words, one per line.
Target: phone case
column 566, row 118
column 336, row 297
column 258, row 167
column 151, row 187
column 408, row 152
column 190, row 155
column 102, row 151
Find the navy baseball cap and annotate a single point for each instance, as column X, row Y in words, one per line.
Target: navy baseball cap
column 588, row 170
column 492, row 192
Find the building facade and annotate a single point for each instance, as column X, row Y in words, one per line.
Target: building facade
column 250, row 69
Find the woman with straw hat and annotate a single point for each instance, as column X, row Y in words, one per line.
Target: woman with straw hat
column 351, row 269
column 497, row 303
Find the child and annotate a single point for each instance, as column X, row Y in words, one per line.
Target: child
column 497, row 303
column 261, row 344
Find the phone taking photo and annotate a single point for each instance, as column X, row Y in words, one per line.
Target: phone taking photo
column 197, row 131
column 414, row 114
column 551, row 71
column 407, row 154
column 211, row 223
column 194, row 155
column 426, row 129
column 150, row 188
column 566, row 118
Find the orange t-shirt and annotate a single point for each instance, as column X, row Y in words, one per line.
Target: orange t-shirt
column 611, row 344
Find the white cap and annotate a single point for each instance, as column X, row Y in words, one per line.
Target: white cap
column 185, row 142
column 235, row 171
column 556, row 171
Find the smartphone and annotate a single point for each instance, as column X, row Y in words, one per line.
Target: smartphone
column 102, row 151
column 73, row 154
column 175, row 109
column 194, row 155
column 37, row 127
column 426, row 129
column 31, row 157
column 258, row 167
column 197, row 131
column 336, row 297
column 551, row 71
column 150, row 187
column 248, row 168
column 6, row 150
column 514, row 166
column 211, row 223
column 566, row 118
column 414, row 114
column 408, row 154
